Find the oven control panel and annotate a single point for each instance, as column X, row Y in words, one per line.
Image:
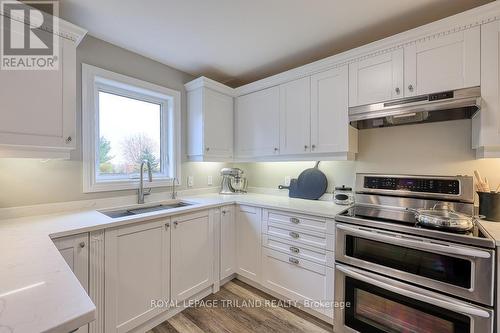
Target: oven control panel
column 423, row 185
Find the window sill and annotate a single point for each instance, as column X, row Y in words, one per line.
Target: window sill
column 108, row 186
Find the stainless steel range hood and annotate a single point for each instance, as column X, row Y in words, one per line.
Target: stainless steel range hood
column 449, row 105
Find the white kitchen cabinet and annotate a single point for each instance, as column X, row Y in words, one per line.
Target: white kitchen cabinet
column 227, row 242
column 299, row 280
column 376, row 79
column 442, row 63
column 38, row 114
column 192, row 254
column 210, row 120
column 75, row 251
column 330, row 129
column 248, row 242
column 137, row 271
column 295, row 117
column 257, row 124
column 486, row 123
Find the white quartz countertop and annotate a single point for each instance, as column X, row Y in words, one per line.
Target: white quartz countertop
column 38, row 291
column 493, row 229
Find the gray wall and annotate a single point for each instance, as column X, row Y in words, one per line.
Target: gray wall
column 31, row 181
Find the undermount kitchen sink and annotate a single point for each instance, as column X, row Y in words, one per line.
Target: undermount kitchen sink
column 143, row 210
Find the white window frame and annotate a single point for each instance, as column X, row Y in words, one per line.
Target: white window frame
column 94, row 80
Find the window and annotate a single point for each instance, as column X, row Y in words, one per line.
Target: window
column 127, row 121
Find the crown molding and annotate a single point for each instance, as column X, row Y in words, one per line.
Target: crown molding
column 465, row 20
column 211, row 84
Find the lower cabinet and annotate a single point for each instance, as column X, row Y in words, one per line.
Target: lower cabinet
column 137, row 271
column 303, row 281
column 75, row 251
column 192, row 254
column 248, row 240
column 227, row 242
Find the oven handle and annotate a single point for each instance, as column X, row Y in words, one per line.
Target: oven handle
column 452, row 306
column 425, row 246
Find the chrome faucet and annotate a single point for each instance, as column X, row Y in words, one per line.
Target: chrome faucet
column 140, row 192
column 174, row 194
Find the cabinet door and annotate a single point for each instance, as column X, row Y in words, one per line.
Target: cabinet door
column 137, row 266
column 295, row 117
column 329, row 111
column 248, row 240
column 443, row 63
column 227, row 242
column 218, row 124
column 192, row 254
column 486, row 123
column 257, row 123
column 298, row 280
column 376, row 79
column 38, row 107
column 75, row 251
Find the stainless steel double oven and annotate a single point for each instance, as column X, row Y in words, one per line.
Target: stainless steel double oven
column 393, row 276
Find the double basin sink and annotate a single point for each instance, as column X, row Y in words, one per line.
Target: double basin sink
column 143, row 210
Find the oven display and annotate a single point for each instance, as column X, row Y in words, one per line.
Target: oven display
column 438, row 186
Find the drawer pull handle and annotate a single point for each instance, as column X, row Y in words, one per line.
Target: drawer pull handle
column 294, row 249
column 293, row 261
column 294, row 234
column 294, row 220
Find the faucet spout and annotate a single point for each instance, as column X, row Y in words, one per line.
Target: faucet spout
column 140, row 192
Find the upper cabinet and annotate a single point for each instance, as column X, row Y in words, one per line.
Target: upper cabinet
column 429, row 65
column 443, row 63
column 295, row 117
column 210, row 120
column 257, row 124
column 376, row 79
column 38, row 115
column 330, row 130
column 302, row 119
column 486, row 123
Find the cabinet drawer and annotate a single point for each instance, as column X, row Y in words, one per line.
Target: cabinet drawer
column 310, row 253
column 300, row 236
column 299, row 280
column 307, row 222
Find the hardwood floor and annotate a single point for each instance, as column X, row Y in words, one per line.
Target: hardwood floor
column 241, row 319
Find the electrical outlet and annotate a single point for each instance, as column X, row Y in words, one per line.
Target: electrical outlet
column 210, row 181
column 288, row 179
column 190, row 181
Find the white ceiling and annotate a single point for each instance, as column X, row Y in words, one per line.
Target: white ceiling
column 239, row 41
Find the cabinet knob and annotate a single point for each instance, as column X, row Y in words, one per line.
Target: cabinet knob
column 82, row 244
column 294, row 249
column 69, row 139
column 313, row 147
column 175, row 223
column 276, row 149
column 305, row 147
column 410, row 87
column 293, row 261
column 293, row 234
column 167, row 225
column 207, row 148
column 223, row 212
column 398, row 91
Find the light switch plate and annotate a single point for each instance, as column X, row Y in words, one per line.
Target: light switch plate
column 190, row 181
column 288, row 179
column 210, row 181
